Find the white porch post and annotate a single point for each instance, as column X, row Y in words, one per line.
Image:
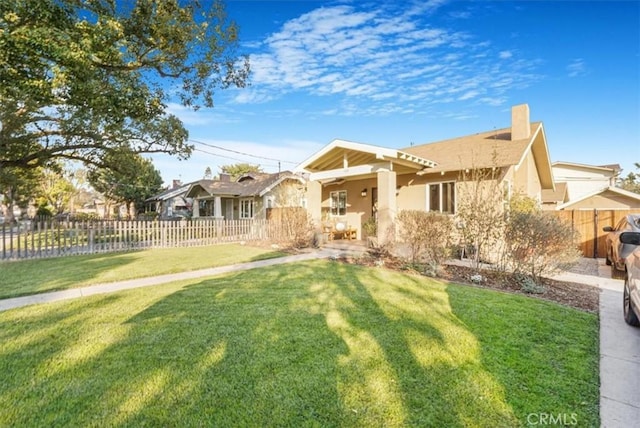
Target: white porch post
column 217, row 207
column 196, row 208
column 386, row 205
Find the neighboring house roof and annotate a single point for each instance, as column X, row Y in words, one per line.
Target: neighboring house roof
column 342, row 154
column 254, row 184
column 612, row 169
column 557, row 196
column 169, row 193
column 609, row 190
column 487, row 150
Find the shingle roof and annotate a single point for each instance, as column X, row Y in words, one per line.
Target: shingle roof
column 482, row 150
column 246, row 186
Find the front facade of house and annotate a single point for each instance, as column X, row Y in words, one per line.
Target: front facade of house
column 249, row 197
column 353, row 182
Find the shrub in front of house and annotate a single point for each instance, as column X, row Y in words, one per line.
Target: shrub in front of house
column 427, row 236
column 539, row 244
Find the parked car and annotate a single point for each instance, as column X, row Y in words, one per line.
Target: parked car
column 631, row 294
column 616, row 251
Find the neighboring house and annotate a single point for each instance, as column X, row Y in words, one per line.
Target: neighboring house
column 352, row 182
column 551, row 199
column 172, row 202
column 610, row 198
column 588, row 187
column 247, row 197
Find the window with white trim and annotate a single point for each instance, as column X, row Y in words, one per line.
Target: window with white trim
column 441, row 197
column 246, row 208
column 338, row 201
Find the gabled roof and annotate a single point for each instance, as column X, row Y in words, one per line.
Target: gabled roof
column 557, row 196
column 611, row 189
column 341, row 154
column 255, row 184
column 170, row 193
column 487, row 150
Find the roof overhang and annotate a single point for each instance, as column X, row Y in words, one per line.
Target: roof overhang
column 278, row 181
column 540, row 151
column 342, row 158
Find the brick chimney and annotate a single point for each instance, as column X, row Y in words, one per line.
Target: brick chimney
column 176, row 184
column 225, row 177
column 520, row 127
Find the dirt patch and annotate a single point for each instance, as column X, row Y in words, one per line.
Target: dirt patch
column 579, row 296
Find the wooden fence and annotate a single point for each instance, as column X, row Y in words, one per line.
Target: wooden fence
column 39, row 239
column 589, row 224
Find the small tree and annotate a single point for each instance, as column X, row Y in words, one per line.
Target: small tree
column 428, row 236
column 632, row 181
column 480, row 211
column 237, row 170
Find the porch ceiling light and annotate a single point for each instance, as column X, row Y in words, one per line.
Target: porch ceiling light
column 364, row 193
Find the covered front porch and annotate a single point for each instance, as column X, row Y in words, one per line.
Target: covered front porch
column 352, row 184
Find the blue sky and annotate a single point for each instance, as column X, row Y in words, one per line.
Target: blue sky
column 396, row 73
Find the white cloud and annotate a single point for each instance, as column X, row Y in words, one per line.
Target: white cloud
column 386, row 54
column 576, row 68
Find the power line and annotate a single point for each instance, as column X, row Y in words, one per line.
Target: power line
column 242, row 153
column 232, row 158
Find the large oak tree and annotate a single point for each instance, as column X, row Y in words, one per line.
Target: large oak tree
column 83, row 78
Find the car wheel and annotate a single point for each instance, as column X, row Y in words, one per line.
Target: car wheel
column 629, row 315
column 615, row 272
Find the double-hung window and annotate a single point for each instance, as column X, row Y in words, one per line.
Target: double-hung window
column 246, row 208
column 338, row 201
column 441, row 197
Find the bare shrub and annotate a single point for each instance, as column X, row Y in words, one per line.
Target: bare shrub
column 539, row 244
column 293, row 227
column 428, row 236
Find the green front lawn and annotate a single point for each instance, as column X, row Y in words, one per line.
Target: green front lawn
column 19, row 278
column 306, row 344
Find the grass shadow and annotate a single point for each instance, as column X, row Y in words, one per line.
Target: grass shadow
column 555, row 371
column 305, row 344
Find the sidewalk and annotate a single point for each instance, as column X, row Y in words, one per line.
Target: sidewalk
column 17, row 302
column 619, row 359
column 619, row 352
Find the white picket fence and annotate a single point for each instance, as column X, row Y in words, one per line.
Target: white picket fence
column 39, row 239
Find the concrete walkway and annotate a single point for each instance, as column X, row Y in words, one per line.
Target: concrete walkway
column 110, row 287
column 619, row 343
column 619, row 359
column 619, row 352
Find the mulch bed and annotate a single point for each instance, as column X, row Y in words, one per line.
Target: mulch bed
column 579, row 296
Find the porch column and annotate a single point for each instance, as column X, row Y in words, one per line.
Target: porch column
column 386, row 205
column 314, row 204
column 217, row 207
column 196, row 208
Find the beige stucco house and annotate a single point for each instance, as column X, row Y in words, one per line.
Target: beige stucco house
column 351, row 182
column 248, row 197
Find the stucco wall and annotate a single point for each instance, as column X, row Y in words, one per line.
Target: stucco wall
column 526, row 179
column 580, row 181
